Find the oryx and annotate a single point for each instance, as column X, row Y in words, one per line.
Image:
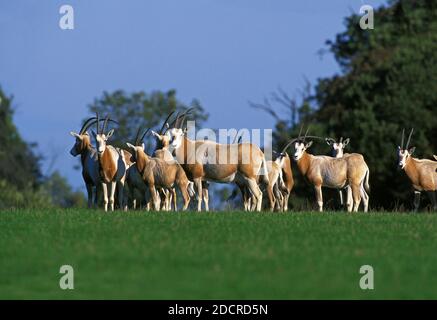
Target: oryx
column 421, row 172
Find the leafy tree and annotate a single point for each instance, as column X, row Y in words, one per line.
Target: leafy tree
column 61, row 194
column 19, row 164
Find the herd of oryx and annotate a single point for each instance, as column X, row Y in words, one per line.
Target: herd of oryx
column 190, row 165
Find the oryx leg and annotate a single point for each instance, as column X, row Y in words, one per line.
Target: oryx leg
column 97, row 192
column 365, row 198
column 256, row 193
column 349, row 199
column 89, row 190
column 205, row 194
column 432, row 198
column 111, row 191
column 278, row 198
column 286, row 196
column 271, row 197
column 416, row 200
column 105, row 196
column 121, row 196
column 185, row 195
column 174, row 198
column 340, row 194
column 155, row 197
column 356, row 195
column 198, row 184
column 319, row 196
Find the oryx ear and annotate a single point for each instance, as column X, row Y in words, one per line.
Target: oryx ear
column 110, row 133
column 143, row 146
column 435, row 157
column 74, row 134
column 411, row 150
column 329, row 141
column 155, row 134
column 130, row 146
column 346, row 142
column 309, row 144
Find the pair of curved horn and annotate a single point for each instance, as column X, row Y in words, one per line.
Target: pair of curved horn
column 166, row 122
column 90, row 122
column 138, row 140
column 105, row 124
column 409, row 139
column 180, row 118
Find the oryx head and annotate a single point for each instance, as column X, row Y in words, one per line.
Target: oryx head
column 337, row 147
column 405, row 152
column 175, row 130
column 101, row 137
column 299, row 148
column 83, row 140
column 299, row 145
column 139, row 144
column 162, row 140
column 280, row 156
column 136, row 150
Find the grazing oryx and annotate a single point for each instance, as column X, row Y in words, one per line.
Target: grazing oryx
column 158, row 173
column 89, row 160
column 113, row 164
column 324, row 171
column 338, row 152
column 421, row 172
column 205, row 160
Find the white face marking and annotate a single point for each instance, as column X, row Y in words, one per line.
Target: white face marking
column 338, row 150
column 299, row 149
column 175, row 138
column 101, row 143
column 402, row 157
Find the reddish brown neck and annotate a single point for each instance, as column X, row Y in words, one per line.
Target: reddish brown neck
column 107, row 166
column 142, row 160
column 304, row 163
column 411, row 169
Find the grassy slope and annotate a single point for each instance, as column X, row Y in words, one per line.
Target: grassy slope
column 215, row 256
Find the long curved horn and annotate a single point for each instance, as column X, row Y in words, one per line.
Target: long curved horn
column 166, row 121
column 98, row 121
column 144, row 134
column 105, row 124
column 86, row 125
column 184, row 116
column 306, row 133
column 330, row 139
column 289, row 144
column 402, row 140
column 409, row 139
column 174, row 122
column 137, row 136
column 300, row 131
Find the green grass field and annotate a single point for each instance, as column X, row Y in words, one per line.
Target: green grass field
column 230, row 255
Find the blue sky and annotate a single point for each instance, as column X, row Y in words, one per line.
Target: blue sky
column 223, row 52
